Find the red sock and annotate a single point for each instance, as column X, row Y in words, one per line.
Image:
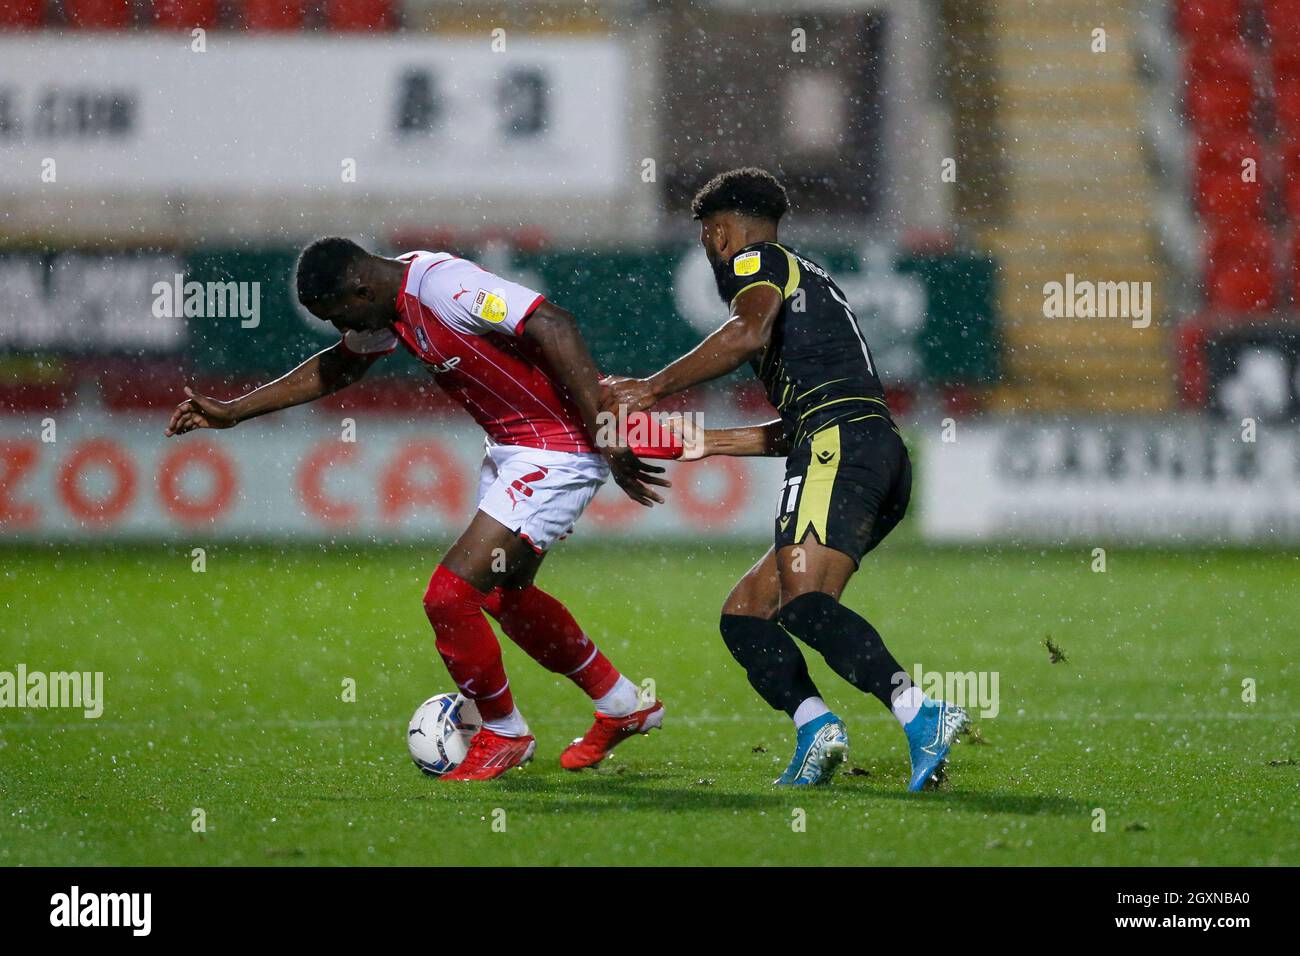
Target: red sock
column 467, row 644
column 547, row 632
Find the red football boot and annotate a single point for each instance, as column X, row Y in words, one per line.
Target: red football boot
column 490, row 755
column 607, row 733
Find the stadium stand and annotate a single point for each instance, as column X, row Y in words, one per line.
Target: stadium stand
column 1241, row 83
column 22, row 15
column 185, row 14
column 98, row 14
column 347, row 16
column 1078, row 199
column 273, row 15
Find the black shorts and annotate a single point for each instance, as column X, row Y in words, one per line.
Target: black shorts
column 848, row 485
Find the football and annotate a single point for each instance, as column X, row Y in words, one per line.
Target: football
column 440, row 730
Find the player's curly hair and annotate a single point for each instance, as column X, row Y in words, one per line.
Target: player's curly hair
column 748, row 190
column 323, row 265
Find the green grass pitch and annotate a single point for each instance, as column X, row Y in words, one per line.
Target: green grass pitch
column 224, row 693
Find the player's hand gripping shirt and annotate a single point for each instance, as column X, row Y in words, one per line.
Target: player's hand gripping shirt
column 817, row 368
column 465, row 324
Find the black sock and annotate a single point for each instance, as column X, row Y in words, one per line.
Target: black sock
column 851, row 646
column 772, row 661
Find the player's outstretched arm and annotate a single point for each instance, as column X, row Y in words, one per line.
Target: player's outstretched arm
column 697, row 442
column 556, row 332
column 323, row 374
column 735, row 342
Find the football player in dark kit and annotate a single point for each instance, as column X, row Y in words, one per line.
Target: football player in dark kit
column 847, row 481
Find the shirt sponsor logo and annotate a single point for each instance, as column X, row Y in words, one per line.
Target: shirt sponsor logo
column 447, row 366
column 489, row 307
column 747, row 263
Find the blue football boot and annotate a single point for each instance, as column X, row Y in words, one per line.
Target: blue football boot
column 822, row 746
column 930, row 735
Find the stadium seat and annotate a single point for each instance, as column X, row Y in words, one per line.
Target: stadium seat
column 1221, row 193
column 1295, row 267
column 22, row 14
column 1285, row 59
column 185, row 14
column 1283, row 19
column 98, row 14
column 1291, row 180
column 359, row 15
column 1220, row 86
column 1205, row 19
column 273, row 14
column 1242, row 287
column 1218, row 106
column 1234, row 245
column 1214, row 59
column 1286, row 103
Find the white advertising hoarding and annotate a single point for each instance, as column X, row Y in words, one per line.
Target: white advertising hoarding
column 110, row 476
column 444, row 117
column 1158, row 481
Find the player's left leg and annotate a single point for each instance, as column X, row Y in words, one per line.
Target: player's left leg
column 539, row 495
column 545, row 629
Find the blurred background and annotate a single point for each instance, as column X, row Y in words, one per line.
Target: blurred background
column 1070, row 230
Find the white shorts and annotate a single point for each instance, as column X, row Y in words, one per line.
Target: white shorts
column 538, row 494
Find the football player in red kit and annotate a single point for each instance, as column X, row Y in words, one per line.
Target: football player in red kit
column 518, row 364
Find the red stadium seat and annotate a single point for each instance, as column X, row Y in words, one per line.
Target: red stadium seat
column 1295, row 267
column 1221, row 193
column 98, row 14
column 1291, row 180
column 1220, row 86
column 1215, row 59
column 185, row 14
column 359, row 15
column 1283, row 19
column 1242, row 287
column 22, row 14
column 273, row 14
column 1285, row 58
column 1235, row 245
column 1220, row 106
column 1208, row 18
column 1286, row 103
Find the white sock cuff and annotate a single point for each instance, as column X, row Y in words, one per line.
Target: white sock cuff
column 906, row 704
column 623, row 699
column 511, row 725
column 810, row 709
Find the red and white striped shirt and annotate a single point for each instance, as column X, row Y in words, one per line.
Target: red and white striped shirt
column 465, row 324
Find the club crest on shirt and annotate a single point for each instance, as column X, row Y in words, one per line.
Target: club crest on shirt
column 421, row 339
column 746, row 264
column 489, row 307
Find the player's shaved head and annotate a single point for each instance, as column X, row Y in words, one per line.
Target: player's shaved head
column 342, row 283
column 749, row 191
column 324, row 268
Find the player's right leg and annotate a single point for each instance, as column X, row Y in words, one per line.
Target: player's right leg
column 777, row 671
column 484, row 555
